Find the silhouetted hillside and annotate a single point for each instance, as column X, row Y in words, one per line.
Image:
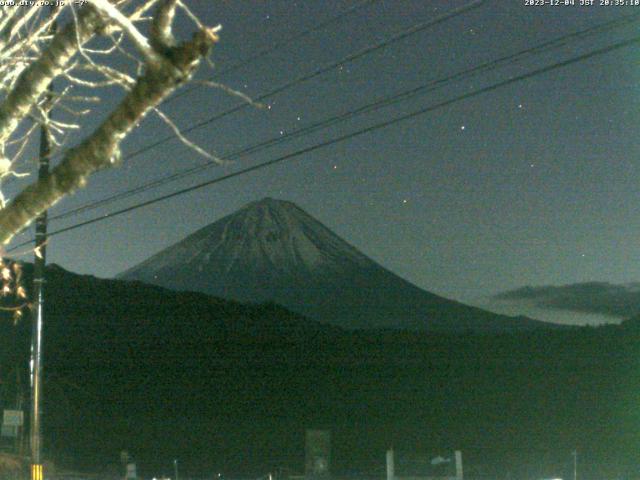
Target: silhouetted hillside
column 229, row 387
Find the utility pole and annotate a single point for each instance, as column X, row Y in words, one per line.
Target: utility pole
column 39, row 263
column 575, row 464
column 20, row 434
column 175, row 468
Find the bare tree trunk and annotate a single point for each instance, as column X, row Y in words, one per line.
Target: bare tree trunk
column 35, row 79
column 165, row 66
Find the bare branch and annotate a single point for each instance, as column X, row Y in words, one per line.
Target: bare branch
column 139, row 40
column 138, row 14
column 102, row 149
column 161, row 33
column 34, row 80
column 185, row 140
column 231, row 91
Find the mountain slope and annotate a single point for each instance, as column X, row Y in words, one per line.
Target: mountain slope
column 123, row 357
column 231, row 388
column 272, row 250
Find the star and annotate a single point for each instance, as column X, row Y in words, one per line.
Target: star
column 520, row 105
column 335, row 167
column 462, row 127
column 404, row 200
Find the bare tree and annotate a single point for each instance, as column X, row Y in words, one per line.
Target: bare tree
column 79, row 56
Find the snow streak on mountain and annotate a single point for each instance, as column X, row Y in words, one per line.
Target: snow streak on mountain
column 273, row 251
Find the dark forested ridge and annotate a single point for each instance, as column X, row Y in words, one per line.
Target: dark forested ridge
column 230, row 387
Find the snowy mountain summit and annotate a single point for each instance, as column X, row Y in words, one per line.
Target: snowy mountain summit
column 268, row 237
column 273, row 251
column 277, row 235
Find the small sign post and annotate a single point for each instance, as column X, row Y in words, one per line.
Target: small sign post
column 12, row 420
column 131, row 472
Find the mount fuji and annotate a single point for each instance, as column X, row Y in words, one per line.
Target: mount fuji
column 273, row 251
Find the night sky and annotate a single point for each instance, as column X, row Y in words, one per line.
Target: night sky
column 534, row 183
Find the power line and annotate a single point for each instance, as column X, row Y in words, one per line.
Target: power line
column 277, row 46
column 370, row 107
column 611, row 24
column 263, row 53
column 308, row 76
column 349, row 58
column 354, row 134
